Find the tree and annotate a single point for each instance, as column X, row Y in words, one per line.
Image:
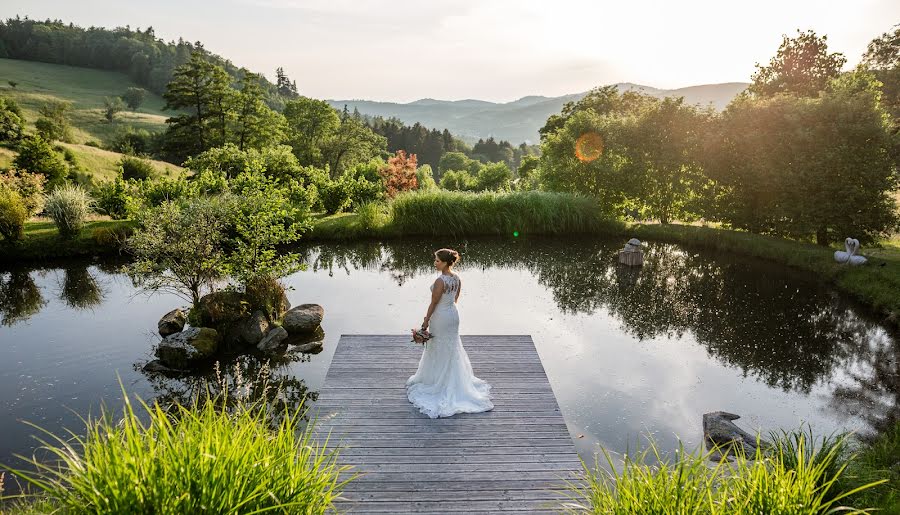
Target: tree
column 400, row 174
column 203, row 90
column 179, row 247
column 134, row 97
column 12, row 125
column 353, row 142
column 493, row 177
column 112, row 107
column 255, row 125
column 37, row 156
column 284, row 86
column 801, row 67
column 54, row 121
column 311, row 123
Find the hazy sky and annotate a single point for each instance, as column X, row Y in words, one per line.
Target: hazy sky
column 500, row 50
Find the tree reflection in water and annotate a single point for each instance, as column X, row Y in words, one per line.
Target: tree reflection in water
column 236, row 379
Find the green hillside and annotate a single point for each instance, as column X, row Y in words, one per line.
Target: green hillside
column 86, row 89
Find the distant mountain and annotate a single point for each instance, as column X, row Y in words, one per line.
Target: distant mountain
column 519, row 120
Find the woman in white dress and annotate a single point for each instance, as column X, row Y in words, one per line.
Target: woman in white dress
column 444, row 383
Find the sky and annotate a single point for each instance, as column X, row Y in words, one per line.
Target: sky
column 497, row 50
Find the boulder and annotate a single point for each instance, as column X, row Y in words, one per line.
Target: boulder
column 223, row 307
column 252, row 330
column 719, row 430
column 304, row 318
column 274, row 340
column 172, row 322
column 184, row 349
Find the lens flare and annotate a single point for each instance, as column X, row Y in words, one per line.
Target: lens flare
column 588, row 147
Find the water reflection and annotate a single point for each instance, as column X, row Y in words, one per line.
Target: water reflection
column 20, row 298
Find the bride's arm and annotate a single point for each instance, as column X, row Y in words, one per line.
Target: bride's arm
column 436, row 293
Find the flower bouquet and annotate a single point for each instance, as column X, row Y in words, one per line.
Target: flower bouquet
column 420, row 335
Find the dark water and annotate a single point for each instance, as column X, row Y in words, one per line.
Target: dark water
column 626, row 351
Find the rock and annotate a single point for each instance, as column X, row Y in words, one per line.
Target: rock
column 223, row 307
column 181, row 350
column 274, row 340
column 172, row 322
column 252, row 330
column 304, row 318
column 312, row 347
column 719, row 430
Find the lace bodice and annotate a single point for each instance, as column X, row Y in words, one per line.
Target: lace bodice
column 451, row 284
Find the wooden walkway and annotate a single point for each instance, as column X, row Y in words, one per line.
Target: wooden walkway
column 514, row 458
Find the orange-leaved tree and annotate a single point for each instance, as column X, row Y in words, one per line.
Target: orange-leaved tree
column 400, row 174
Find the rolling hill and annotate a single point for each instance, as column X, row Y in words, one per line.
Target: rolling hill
column 519, row 120
column 86, row 89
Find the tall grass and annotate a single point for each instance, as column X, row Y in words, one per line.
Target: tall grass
column 790, row 477
column 529, row 212
column 68, row 206
column 195, row 459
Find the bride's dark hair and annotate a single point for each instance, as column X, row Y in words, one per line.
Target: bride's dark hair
column 449, row 256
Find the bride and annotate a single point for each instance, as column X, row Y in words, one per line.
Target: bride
column 444, row 383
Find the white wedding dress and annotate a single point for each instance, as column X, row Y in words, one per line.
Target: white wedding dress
column 444, row 383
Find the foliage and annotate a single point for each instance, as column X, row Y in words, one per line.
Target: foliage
column 37, row 156
column 255, row 125
column 399, row 174
column 30, row 186
column 114, row 199
column 68, row 206
column 134, row 97
column 201, row 91
column 801, row 67
column 788, row 480
column 224, row 452
column 136, row 168
column 493, row 177
column 12, row 215
column 12, row 124
column 54, row 121
column 458, row 181
column 111, row 107
column 179, row 247
column 460, row 213
column 425, row 178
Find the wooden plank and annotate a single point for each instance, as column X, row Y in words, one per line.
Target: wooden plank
column 514, row 458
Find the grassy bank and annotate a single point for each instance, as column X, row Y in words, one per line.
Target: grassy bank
column 201, row 458
column 42, row 241
column 796, row 474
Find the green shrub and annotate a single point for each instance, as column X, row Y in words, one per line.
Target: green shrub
column 69, row 207
column 136, row 168
column 12, row 215
column 37, row 156
column 337, row 195
column 30, row 186
column 212, row 456
column 113, row 198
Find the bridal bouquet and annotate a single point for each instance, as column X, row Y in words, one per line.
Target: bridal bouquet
column 420, row 335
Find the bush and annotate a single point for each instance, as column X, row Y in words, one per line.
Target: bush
column 113, row 199
column 37, row 156
column 69, row 207
column 136, row 168
column 12, row 215
column 214, row 455
column 30, row 186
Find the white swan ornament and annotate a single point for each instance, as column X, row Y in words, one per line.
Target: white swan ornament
column 849, row 256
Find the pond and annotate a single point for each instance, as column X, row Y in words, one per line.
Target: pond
column 627, row 351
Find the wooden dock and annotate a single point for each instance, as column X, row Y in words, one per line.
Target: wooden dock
column 515, row 458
